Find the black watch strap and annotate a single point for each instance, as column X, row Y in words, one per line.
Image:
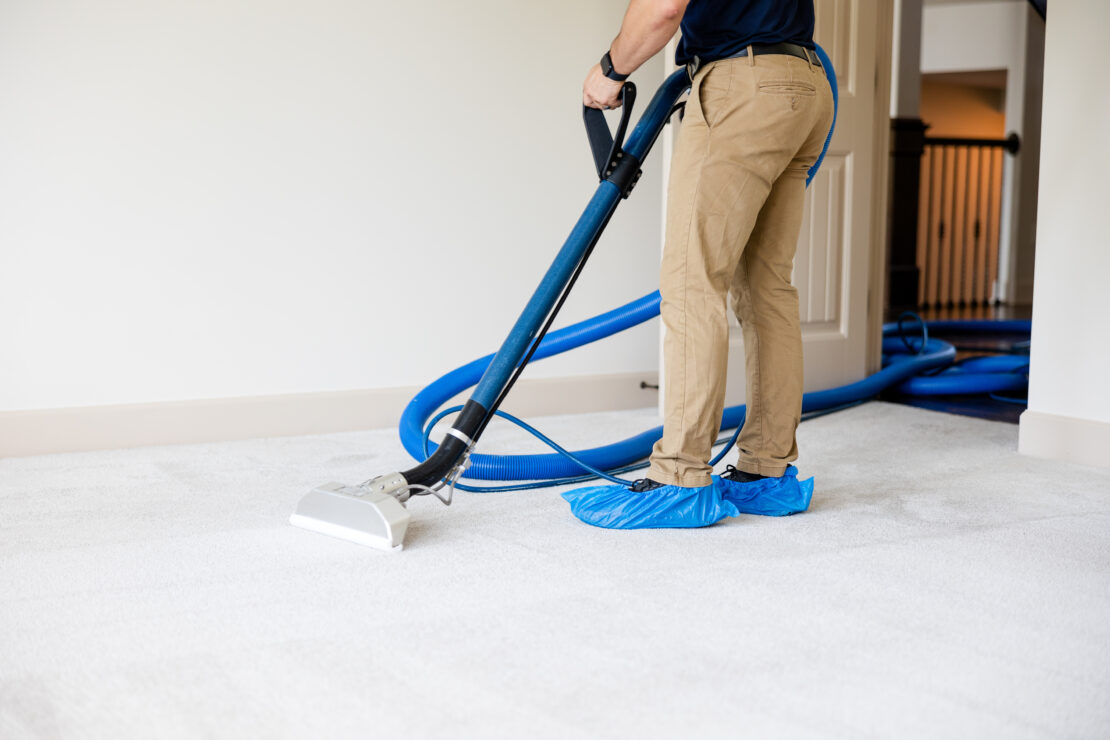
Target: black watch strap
column 608, row 71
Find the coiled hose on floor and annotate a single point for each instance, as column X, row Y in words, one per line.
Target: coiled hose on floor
column 916, row 365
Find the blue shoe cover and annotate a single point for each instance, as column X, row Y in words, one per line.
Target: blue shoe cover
column 769, row 496
column 619, row 507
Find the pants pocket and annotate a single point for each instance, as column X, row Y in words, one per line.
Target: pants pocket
column 787, row 87
column 713, row 92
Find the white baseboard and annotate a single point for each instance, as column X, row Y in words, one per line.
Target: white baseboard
column 1066, row 438
column 46, row 431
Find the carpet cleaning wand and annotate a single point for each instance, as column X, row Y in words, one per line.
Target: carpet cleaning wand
column 373, row 513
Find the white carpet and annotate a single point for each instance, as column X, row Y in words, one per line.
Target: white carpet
column 940, row 586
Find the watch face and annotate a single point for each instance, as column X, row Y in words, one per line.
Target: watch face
column 608, row 71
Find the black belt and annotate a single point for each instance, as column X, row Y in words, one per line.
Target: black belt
column 794, row 50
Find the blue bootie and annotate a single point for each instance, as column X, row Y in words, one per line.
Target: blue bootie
column 620, row 507
column 768, row 496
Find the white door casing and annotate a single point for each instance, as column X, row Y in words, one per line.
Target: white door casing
column 841, row 241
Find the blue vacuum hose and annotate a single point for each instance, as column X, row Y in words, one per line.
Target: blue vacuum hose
column 903, row 361
column 904, row 366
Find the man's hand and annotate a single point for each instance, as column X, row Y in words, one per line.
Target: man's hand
column 647, row 27
column 598, row 91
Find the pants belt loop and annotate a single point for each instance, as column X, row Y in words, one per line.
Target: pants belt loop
column 809, row 57
column 751, row 56
column 692, row 68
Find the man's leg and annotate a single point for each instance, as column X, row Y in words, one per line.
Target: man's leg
column 747, row 121
column 726, row 158
column 766, row 305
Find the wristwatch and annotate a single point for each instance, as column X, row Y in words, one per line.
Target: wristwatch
column 608, row 71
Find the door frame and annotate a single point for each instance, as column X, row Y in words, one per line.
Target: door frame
column 876, row 282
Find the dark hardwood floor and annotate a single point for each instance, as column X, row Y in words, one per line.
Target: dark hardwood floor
column 1002, row 407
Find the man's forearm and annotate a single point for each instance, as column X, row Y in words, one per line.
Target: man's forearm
column 647, row 27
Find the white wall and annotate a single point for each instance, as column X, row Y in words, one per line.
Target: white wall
column 1069, row 396
column 223, row 198
column 962, row 36
column 992, row 35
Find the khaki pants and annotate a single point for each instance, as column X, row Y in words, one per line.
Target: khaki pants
column 753, row 127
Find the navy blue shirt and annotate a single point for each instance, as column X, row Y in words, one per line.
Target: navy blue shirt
column 716, row 29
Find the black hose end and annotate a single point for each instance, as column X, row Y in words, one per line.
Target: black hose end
column 436, row 467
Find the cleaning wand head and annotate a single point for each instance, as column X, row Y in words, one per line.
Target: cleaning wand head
column 372, row 513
